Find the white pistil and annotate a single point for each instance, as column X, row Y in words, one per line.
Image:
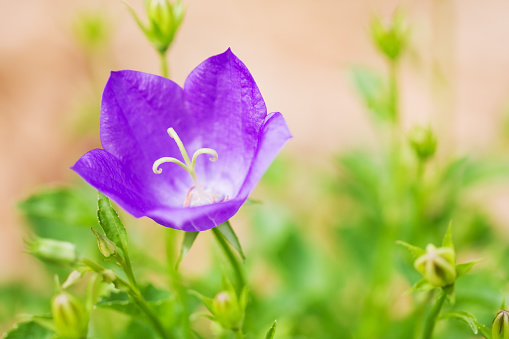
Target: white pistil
column 189, row 166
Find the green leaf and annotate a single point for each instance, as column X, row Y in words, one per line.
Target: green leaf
column 29, row 330
column 447, row 241
column 187, row 243
column 462, row 269
column 485, row 331
column 229, row 234
column 110, row 222
column 205, row 300
column 421, row 286
column 251, row 202
column 161, row 301
column 414, row 250
column 272, row 331
column 136, row 329
column 468, row 318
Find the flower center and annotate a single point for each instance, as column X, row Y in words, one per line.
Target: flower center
column 198, row 194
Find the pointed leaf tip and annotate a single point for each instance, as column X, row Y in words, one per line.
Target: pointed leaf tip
column 272, row 331
column 187, row 243
column 447, row 241
column 229, row 234
column 414, row 250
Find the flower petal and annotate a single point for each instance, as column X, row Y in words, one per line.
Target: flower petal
column 137, row 109
column 228, row 112
column 273, row 136
column 107, row 174
column 196, row 219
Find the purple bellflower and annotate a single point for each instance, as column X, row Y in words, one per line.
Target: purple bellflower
column 153, row 133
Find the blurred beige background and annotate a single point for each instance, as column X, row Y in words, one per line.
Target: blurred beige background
column 297, row 50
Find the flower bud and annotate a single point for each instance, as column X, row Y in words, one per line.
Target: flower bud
column 53, row 251
column 423, row 142
column 437, row 265
column 70, row 317
column 500, row 327
column 390, row 38
column 227, row 310
column 106, row 246
column 108, row 276
column 164, row 19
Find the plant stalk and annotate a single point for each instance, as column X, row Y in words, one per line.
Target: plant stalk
column 429, row 326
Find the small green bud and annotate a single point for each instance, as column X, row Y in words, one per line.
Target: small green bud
column 500, row 327
column 106, row 246
column 53, row 251
column 108, row 276
column 227, row 311
column 437, row 265
column 390, row 38
column 164, row 20
column 423, row 142
column 70, row 317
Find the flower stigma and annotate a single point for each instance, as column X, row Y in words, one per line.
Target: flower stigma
column 198, row 194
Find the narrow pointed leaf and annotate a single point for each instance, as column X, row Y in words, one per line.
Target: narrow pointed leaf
column 110, row 222
column 420, row 286
column 485, row 331
column 230, row 236
column 468, row 318
column 205, row 300
column 272, row 331
column 414, row 250
column 187, row 243
column 447, row 241
column 503, row 305
column 462, row 269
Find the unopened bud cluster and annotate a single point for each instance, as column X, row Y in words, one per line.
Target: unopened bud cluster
column 423, row 142
column 437, row 265
column 390, row 37
column 500, row 328
column 69, row 316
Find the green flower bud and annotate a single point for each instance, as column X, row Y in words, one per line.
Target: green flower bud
column 108, row 276
column 53, row 251
column 423, row 142
column 390, row 38
column 227, row 311
column 437, row 265
column 164, row 20
column 106, row 246
column 500, row 327
column 70, row 317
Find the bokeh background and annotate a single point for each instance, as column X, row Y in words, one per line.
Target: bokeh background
column 455, row 78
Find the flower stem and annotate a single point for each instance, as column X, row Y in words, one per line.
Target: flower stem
column 237, row 268
column 136, row 297
column 238, row 334
column 164, row 65
column 433, row 315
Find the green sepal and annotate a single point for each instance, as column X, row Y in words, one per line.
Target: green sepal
column 414, row 250
column 110, row 222
column 205, row 300
column 187, row 243
column 272, row 331
column 421, row 286
column 251, row 202
column 447, row 240
column 468, row 318
column 229, row 234
column 503, row 305
column 462, row 269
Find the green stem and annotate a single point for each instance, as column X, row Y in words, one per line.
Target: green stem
column 238, row 334
column 433, row 315
column 237, row 268
column 394, row 91
column 135, row 295
column 164, row 65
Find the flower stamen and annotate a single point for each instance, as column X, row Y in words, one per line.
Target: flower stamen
column 189, row 166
